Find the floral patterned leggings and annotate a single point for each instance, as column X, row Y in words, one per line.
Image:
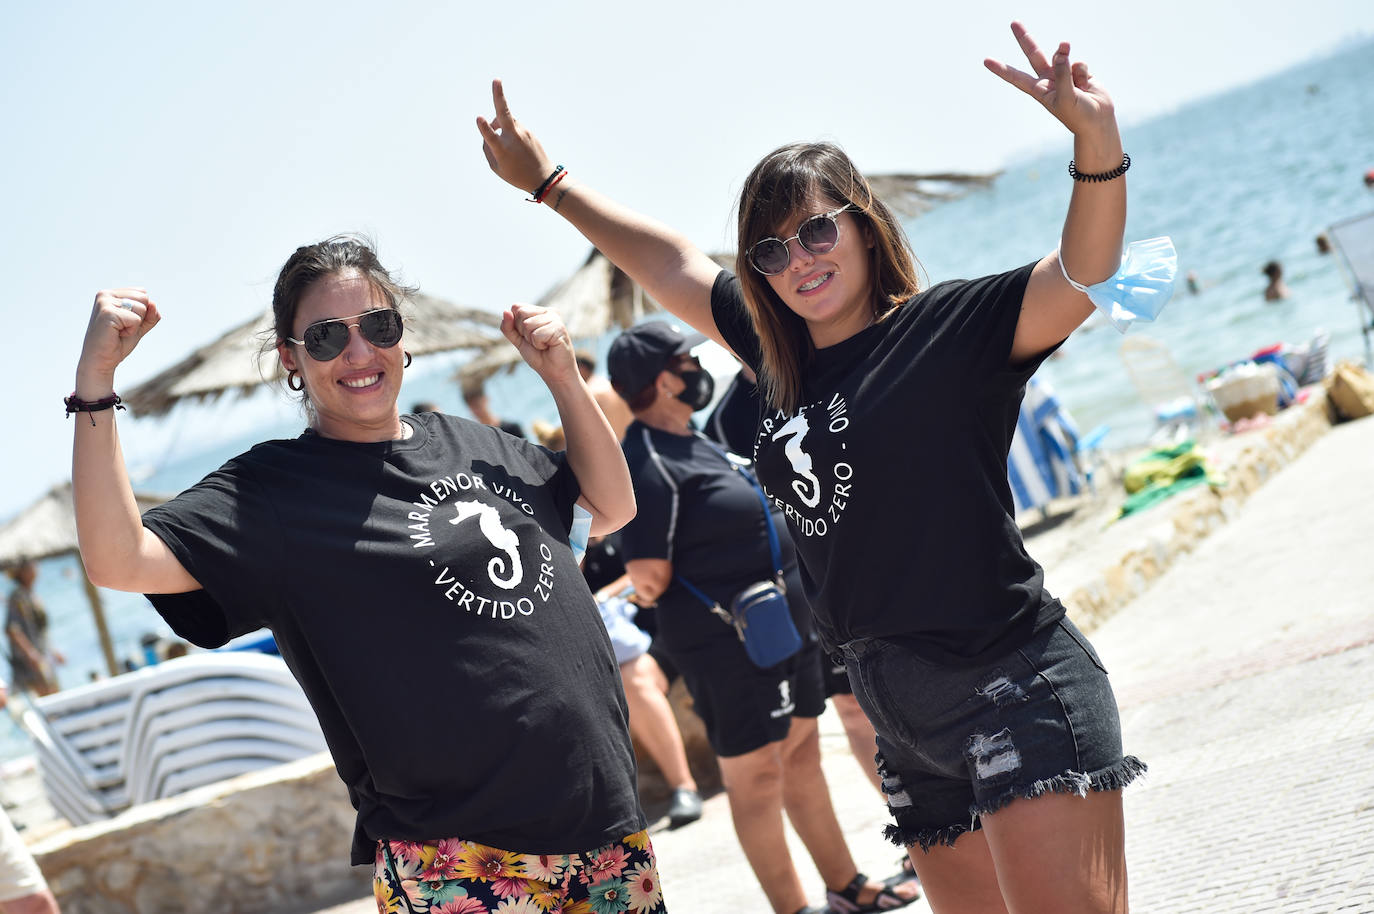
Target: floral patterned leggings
column 463, row 877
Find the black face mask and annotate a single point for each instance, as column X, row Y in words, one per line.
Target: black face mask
column 699, row 390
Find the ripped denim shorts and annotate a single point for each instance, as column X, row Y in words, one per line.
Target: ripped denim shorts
column 958, row 743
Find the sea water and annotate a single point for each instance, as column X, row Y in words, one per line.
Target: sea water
column 1237, row 179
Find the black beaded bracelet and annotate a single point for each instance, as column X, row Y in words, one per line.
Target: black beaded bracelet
column 75, row 405
column 1116, row 172
column 538, row 195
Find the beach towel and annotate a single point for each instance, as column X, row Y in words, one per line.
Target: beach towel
column 1164, row 472
column 1041, row 465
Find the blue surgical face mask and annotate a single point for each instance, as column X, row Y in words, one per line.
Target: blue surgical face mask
column 1140, row 289
column 580, row 532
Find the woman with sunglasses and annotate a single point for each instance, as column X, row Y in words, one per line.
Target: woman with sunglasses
column 700, row 537
column 417, row 573
column 891, row 411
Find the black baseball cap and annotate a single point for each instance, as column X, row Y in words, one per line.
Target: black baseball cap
column 640, row 353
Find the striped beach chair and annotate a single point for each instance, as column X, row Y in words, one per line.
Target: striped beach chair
column 1042, row 464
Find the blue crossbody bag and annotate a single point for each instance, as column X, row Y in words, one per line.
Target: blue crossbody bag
column 759, row 613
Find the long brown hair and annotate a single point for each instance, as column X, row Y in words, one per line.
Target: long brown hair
column 779, row 187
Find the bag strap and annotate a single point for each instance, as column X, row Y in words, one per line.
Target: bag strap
column 773, row 547
column 763, row 503
column 713, row 605
column 662, row 468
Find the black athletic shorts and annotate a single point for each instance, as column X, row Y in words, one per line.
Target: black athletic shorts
column 745, row 708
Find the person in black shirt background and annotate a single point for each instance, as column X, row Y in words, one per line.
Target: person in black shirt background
column 732, row 422
column 891, row 409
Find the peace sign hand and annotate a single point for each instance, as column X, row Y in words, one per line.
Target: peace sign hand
column 1067, row 92
column 512, row 151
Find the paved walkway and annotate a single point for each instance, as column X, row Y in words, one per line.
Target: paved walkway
column 1244, row 678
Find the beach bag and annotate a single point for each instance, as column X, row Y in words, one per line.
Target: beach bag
column 759, row 613
column 1350, row 388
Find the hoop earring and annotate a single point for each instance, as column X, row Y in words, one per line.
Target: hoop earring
column 294, row 381
column 408, row 360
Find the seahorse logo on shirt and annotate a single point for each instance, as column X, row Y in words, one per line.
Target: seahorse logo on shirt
column 813, row 444
column 489, row 522
column 808, row 488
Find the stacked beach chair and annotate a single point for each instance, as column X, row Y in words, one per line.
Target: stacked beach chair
column 167, row 729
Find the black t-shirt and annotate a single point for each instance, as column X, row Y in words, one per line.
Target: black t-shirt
column 424, row 595
column 603, row 562
column 705, row 518
column 893, row 474
column 736, row 415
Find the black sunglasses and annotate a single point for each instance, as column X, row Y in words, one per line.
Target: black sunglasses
column 819, row 234
column 324, row 340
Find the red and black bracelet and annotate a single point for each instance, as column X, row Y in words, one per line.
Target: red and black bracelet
column 1116, row 172
column 543, row 189
column 76, row 405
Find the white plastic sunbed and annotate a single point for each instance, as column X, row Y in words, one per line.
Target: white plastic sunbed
column 166, row 729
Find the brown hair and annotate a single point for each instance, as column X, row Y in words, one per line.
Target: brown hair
column 313, row 262
column 639, row 399
column 779, row 188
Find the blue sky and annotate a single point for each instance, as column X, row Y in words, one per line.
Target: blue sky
column 190, row 148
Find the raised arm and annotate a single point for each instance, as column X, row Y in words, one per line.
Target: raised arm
column 593, row 450
column 669, row 267
column 1090, row 244
column 117, row 550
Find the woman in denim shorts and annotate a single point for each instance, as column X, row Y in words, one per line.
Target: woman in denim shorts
column 890, row 412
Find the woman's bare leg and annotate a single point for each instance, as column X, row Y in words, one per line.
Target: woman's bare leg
column 754, row 785
column 806, row 797
column 1062, row 853
column 652, row 721
column 859, row 730
column 960, row 879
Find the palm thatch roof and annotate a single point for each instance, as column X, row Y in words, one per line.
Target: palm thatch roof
column 231, row 363
column 599, row 296
column 48, row 527
column 596, row 297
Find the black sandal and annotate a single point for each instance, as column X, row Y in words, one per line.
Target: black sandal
column 846, row 900
column 907, row 873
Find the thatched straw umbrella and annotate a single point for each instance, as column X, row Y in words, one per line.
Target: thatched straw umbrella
column 599, row 296
column 47, row 528
column 231, row 363
column 910, row 195
column 596, row 297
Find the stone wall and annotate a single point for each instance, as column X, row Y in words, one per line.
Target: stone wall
column 1153, row 540
column 275, row 840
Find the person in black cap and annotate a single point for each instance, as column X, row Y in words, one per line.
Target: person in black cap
column 700, row 520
